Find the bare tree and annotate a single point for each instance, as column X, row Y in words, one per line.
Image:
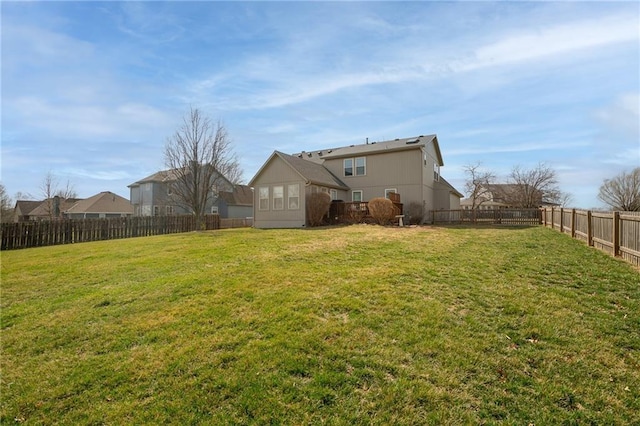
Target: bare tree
column 6, row 205
column 531, row 187
column 478, row 183
column 23, row 196
column 561, row 198
column 622, row 192
column 48, row 188
column 199, row 154
column 67, row 192
column 53, row 194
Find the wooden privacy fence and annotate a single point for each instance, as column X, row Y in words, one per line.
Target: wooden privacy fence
column 488, row 217
column 617, row 233
column 47, row 233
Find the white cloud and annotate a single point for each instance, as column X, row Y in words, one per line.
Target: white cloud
column 622, row 116
column 533, row 45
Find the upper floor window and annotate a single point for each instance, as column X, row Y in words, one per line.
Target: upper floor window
column 348, row 166
column 361, row 166
column 293, row 192
column 278, row 197
column 436, row 172
column 355, row 166
column 263, row 201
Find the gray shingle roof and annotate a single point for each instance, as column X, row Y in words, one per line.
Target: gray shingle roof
column 372, row 148
column 312, row 172
column 103, row 202
column 242, row 195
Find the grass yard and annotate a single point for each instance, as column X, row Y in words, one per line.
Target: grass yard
column 340, row 326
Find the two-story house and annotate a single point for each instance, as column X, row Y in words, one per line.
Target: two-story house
column 154, row 195
column 409, row 167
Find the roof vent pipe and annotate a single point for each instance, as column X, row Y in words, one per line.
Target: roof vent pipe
column 367, row 141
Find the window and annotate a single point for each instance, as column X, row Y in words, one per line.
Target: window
column 278, row 197
column 214, row 209
column 391, row 190
column 356, row 196
column 169, row 210
column 293, row 192
column 361, row 166
column 348, row 167
column 156, row 210
column 263, row 202
column 436, row 172
column 334, row 194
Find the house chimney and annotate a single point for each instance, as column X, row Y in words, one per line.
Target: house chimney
column 367, row 141
column 56, row 206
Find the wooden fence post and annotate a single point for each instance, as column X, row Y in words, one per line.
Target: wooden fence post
column 573, row 223
column 616, row 233
column 589, row 229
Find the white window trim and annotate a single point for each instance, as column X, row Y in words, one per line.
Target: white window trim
column 355, row 166
column 273, row 197
column 261, row 198
column 290, row 197
column 387, row 191
column 344, row 167
column 353, row 193
column 334, row 194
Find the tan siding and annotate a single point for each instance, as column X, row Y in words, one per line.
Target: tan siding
column 454, row 202
column 278, row 173
column 403, row 170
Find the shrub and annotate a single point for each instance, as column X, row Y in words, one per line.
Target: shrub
column 382, row 210
column 318, row 205
column 415, row 211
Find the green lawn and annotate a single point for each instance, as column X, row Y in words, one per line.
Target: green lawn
column 340, row 326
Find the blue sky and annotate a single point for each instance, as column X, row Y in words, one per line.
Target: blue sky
column 92, row 90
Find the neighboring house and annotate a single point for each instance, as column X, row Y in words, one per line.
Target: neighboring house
column 103, row 205
column 153, row 196
column 502, row 196
column 23, row 208
column 48, row 209
column 409, row 167
column 237, row 203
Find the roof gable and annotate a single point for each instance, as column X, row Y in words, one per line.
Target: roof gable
column 311, row 172
column 25, row 207
column 443, row 182
column 104, row 202
column 47, row 207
